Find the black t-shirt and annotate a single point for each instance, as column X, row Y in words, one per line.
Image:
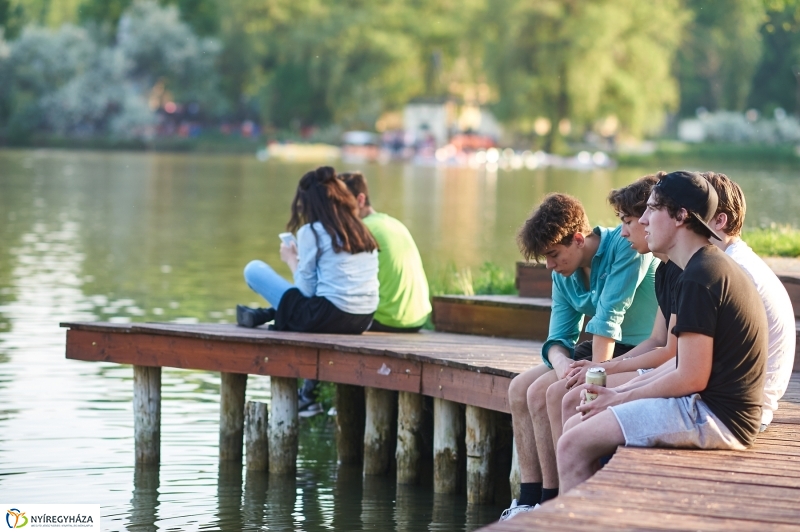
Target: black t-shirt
column 716, row 298
column 667, row 275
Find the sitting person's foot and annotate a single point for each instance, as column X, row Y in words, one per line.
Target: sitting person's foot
column 253, row 317
column 304, row 401
column 515, row 509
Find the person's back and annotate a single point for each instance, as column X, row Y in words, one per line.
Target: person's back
column 404, row 295
column 404, row 302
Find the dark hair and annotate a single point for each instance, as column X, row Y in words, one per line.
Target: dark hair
column 356, row 184
column 662, row 201
column 322, row 197
column 631, row 200
column 731, row 201
column 554, row 221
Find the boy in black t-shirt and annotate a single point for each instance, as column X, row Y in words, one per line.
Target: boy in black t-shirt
column 712, row 398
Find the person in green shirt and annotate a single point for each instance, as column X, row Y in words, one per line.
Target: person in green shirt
column 404, row 298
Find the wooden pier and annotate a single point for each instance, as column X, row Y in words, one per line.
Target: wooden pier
column 382, row 380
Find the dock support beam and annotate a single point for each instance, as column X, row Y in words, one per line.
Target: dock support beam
column 448, row 431
column 480, row 446
column 409, row 437
column 147, row 414
column 231, row 416
column 256, row 418
column 349, row 424
column 380, row 405
column 283, row 426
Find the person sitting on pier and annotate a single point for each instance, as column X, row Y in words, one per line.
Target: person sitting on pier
column 727, row 225
column 404, row 302
column 335, row 265
column 629, row 203
column 596, row 274
column 711, row 398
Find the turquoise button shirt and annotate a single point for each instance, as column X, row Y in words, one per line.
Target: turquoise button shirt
column 620, row 300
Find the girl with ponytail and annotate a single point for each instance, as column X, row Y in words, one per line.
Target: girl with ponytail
column 335, row 265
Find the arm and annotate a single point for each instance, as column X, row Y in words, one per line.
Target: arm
column 564, row 328
column 691, row 376
column 624, row 276
column 305, row 273
column 650, row 359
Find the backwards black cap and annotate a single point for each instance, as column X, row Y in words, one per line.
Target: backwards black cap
column 694, row 193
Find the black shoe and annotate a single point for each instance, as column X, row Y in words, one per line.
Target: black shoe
column 253, row 317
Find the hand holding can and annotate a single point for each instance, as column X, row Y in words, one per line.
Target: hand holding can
column 596, row 376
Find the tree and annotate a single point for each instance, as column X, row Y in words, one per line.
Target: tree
column 721, row 49
column 584, row 60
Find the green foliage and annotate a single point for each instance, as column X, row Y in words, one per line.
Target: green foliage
column 774, row 241
column 490, row 279
column 720, row 52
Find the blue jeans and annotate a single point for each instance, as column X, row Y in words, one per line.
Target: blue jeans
column 264, row 281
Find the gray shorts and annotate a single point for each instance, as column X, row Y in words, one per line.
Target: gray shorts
column 674, row 422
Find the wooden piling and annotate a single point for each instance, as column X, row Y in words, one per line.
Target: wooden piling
column 480, row 446
column 147, row 414
column 409, row 437
column 256, row 420
column 231, row 416
column 380, row 405
column 349, row 424
column 283, row 426
column 448, row 430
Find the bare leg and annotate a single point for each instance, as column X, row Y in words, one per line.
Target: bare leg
column 573, row 398
column 521, row 421
column 582, row 445
column 555, row 396
column 537, row 405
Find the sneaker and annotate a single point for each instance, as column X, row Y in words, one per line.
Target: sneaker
column 515, row 509
column 253, row 317
column 312, row 410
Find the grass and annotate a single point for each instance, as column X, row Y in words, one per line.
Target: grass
column 488, row 279
column 774, row 241
column 670, row 153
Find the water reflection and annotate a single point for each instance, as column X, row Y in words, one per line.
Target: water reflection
column 152, row 237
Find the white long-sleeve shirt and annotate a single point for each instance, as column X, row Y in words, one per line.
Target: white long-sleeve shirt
column 349, row 281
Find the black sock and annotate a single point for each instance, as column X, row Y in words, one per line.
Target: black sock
column 529, row 493
column 548, row 493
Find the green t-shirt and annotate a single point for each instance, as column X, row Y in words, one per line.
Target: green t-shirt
column 404, row 297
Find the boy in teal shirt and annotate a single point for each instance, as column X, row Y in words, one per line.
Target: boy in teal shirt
column 404, row 299
column 595, row 274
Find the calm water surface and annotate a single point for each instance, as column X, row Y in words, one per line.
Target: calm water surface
column 147, row 237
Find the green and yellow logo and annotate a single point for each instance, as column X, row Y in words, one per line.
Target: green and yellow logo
column 17, row 516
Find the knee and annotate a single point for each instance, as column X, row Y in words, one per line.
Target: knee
column 571, row 400
column 555, row 393
column 517, row 390
column 252, row 269
column 537, row 397
column 569, row 447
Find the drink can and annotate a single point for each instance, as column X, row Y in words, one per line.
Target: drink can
column 596, row 376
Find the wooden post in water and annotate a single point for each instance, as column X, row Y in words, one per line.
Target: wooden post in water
column 480, row 444
column 349, row 424
column 514, row 478
column 231, row 416
column 380, row 405
column 147, row 414
column 283, row 426
column 448, row 430
column 409, row 437
column 255, row 430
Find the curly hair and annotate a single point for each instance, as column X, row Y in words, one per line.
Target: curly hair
column 731, row 201
column 554, row 221
column 662, row 201
column 631, row 200
column 323, row 197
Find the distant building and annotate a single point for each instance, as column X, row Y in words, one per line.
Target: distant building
column 439, row 119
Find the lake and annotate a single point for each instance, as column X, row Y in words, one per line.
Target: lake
column 163, row 237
